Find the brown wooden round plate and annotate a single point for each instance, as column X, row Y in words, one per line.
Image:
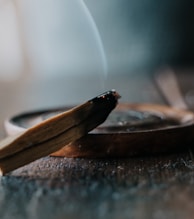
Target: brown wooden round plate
column 130, row 130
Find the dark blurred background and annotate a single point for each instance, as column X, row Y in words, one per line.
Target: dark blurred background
column 135, row 34
column 140, row 34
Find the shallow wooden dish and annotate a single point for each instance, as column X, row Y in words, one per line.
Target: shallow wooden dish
column 130, row 130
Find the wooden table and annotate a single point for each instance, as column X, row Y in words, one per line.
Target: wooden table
column 54, row 188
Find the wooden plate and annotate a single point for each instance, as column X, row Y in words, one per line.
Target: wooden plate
column 130, row 130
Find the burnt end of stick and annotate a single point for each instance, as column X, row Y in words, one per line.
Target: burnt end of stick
column 94, row 121
column 102, row 106
column 106, row 100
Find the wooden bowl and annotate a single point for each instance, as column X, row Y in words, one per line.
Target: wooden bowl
column 130, row 130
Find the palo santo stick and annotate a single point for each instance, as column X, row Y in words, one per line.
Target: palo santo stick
column 45, row 130
column 95, row 110
column 52, row 126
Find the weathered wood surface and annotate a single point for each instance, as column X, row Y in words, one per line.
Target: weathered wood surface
column 159, row 187
column 148, row 187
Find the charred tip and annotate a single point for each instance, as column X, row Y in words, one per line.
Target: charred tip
column 111, row 95
column 115, row 94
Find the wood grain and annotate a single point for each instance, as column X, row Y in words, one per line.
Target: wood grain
column 45, row 130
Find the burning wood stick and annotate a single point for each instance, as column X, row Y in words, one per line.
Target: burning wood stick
column 53, row 133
